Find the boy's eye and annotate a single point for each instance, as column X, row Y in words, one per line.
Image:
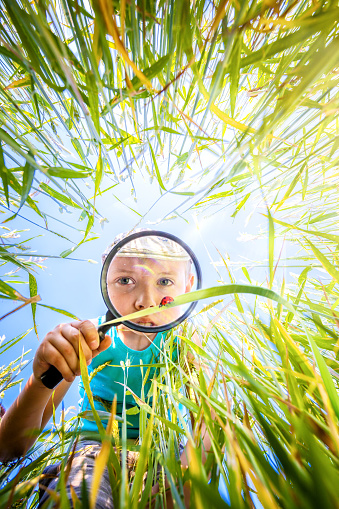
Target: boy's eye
column 164, row 281
column 125, row 280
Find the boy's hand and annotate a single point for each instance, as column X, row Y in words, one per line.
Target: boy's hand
column 60, row 348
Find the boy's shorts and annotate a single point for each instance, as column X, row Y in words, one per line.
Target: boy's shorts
column 83, row 468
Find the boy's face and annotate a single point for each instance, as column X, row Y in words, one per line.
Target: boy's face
column 136, row 283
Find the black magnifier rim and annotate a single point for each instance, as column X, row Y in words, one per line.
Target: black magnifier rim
column 103, row 280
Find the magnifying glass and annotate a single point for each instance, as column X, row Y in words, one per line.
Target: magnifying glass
column 145, row 270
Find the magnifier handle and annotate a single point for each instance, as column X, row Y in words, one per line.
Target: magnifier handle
column 51, row 378
column 102, row 329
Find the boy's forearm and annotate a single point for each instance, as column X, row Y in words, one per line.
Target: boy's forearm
column 24, row 415
column 33, row 407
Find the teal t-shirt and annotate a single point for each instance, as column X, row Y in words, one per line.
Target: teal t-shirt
column 119, row 369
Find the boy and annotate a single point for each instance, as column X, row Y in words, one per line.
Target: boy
column 139, row 277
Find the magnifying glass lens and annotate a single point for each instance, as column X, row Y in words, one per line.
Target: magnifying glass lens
column 146, row 272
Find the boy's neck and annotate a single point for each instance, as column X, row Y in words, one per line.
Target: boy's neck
column 135, row 340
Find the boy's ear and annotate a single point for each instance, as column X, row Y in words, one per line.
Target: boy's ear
column 190, row 283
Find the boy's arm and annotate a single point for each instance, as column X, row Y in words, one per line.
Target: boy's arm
column 34, row 406
column 30, row 411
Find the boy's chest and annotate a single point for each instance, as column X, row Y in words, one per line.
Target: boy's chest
column 118, row 372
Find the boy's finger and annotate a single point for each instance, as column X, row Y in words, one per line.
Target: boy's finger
column 73, row 335
column 67, row 351
column 105, row 343
column 89, row 332
column 53, row 357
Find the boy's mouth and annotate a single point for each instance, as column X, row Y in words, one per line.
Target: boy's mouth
column 146, row 323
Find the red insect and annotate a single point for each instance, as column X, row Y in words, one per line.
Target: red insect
column 165, row 300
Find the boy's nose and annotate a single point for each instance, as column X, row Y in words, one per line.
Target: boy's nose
column 146, row 299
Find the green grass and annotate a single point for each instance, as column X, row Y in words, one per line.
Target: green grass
column 240, row 98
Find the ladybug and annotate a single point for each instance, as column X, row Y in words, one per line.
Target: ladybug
column 165, row 300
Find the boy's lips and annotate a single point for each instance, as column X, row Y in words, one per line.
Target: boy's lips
column 146, row 322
